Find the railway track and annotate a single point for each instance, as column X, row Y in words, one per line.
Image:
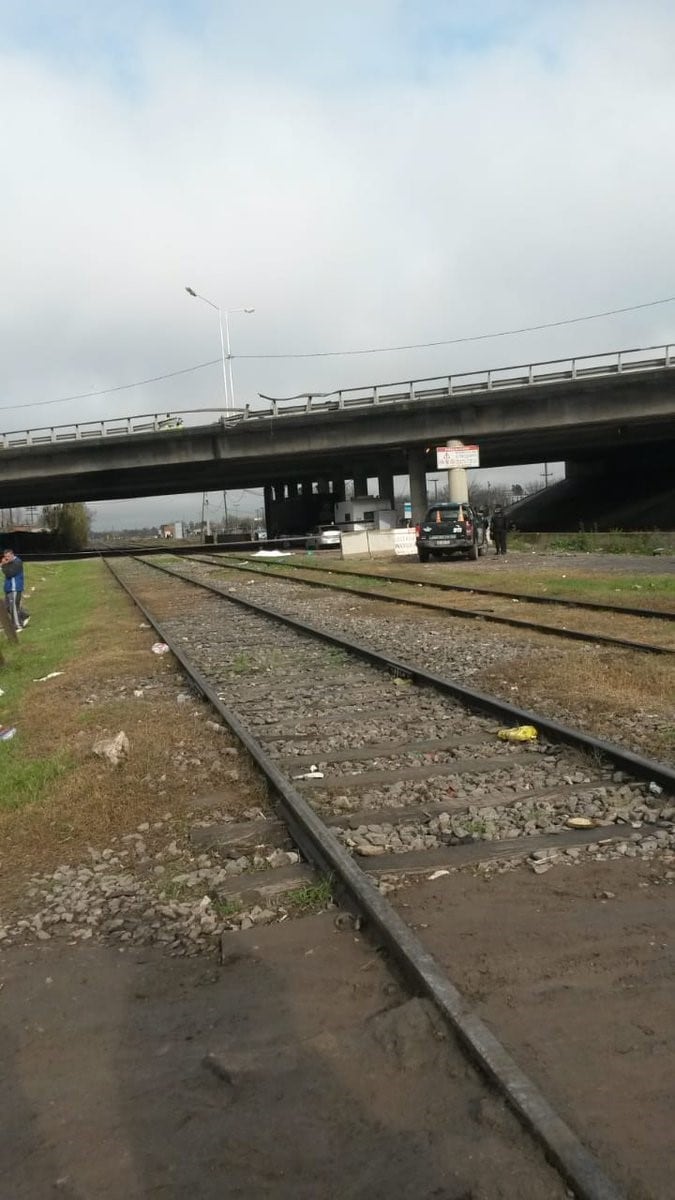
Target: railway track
column 524, row 597
column 381, row 771
column 474, row 612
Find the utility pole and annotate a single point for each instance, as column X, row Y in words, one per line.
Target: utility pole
column 225, row 511
column 206, row 529
column 545, row 474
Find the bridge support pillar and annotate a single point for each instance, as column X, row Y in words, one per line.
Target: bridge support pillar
column 279, row 492
column 268, row 500
column 385, row 480
column 292, row 490
column 458, row 484
column 418, row 484
column 360, row 484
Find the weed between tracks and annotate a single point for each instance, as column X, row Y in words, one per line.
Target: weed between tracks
column 311, row 898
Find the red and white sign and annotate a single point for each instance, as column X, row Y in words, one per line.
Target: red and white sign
column 448, row 457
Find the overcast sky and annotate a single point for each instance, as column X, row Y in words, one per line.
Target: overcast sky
column 366, row 173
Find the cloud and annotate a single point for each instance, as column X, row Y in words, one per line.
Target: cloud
column 362, row 174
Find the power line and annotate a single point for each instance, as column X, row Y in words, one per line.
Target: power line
column 121, row 387
column 476, row 337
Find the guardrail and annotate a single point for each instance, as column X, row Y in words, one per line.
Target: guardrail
column 80, row 431
column 492, row 379
column 467, row 383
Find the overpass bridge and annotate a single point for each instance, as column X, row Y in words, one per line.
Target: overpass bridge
column 615, row 409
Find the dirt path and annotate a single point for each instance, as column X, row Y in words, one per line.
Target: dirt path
column 580, row 989
column 297, row 1070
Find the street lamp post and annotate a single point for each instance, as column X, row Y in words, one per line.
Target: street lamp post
column 225, row 347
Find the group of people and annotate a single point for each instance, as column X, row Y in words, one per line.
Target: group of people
column 12, row 569
column 493, row 529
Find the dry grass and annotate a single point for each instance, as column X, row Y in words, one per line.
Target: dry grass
column 91, row 802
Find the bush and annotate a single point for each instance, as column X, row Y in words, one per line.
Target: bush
column 70, row 524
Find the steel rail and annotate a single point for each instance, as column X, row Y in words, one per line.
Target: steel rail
column 526, row 597
column 626, row 760
column 561, row 1145
column 576, row 635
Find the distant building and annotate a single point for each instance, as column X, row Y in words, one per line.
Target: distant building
column 174, row 530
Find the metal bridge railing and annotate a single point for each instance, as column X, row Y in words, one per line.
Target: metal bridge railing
column 467, row 383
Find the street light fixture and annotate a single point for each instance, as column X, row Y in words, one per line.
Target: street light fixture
column 225, row 347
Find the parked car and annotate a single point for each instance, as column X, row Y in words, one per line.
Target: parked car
column 448, row 529
column 324, row 537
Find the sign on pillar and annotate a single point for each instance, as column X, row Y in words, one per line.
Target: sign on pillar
column 455, row 457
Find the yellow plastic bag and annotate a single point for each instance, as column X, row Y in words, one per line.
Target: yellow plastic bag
column 522, row 733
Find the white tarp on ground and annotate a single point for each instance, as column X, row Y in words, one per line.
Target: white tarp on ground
column 272, row 554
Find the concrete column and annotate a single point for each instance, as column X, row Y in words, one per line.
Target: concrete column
column 360, row 485
column 418, row 484
column 323, row 485
column 279, row 491
column 269, row 497
column 385, row 481
column 338, row 488
column 458, row 484
column 292, row 490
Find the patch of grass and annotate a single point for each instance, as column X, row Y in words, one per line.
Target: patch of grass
column 312, row 897
column 59, row 610
column 23, row 782
column 241, row 663
column 616, row 541
column 335, row 656
column 226, row 908
column 65, row 595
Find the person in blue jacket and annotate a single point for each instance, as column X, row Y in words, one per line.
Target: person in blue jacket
column 12, row 569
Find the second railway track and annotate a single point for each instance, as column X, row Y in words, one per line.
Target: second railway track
column 475, row 609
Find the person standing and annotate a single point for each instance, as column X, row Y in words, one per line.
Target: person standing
column 12, row 569
column 499, row 527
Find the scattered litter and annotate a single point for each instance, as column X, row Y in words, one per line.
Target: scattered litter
column 138, row 692
column 2, row 691
column 402, row 681
column 114, row 749
column 144, row 625
column 522, row 733
column 605, row 895
column 159, row 648
column 52, row 675
column 272, row 554
column 655, row 789
column 313, row 773
column 437, row 875
column 6, row 734
column 580, row 823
